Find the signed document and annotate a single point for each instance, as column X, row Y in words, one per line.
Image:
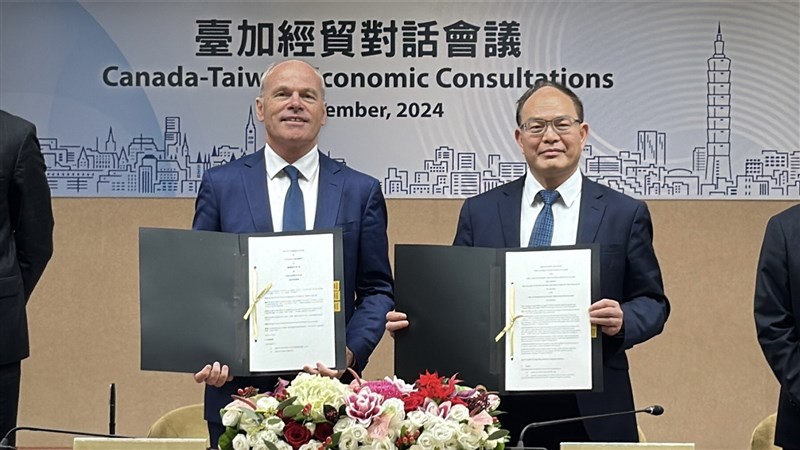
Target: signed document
column 549, row 344
column 291, row 290
column 267, row 303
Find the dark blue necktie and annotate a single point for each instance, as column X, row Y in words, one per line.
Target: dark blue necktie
column 294, row 211
column 542, row 234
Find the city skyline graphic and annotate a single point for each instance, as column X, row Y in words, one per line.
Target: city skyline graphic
column 168, row 166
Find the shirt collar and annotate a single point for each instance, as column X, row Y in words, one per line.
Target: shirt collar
column 569, row 191
column 307, row 165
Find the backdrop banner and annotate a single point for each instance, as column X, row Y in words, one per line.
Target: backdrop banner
column 685, row 100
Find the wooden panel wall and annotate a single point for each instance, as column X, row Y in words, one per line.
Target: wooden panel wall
column 706, row 368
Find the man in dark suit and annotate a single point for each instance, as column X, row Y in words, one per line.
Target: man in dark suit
column 632, row 307
column 777, row 316
column 249, row 195
column 26, row 242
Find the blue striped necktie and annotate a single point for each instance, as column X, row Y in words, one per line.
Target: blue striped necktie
column 294, row 211
column 542, row 234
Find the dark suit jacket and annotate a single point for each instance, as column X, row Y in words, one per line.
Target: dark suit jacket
column 629, row 273
column 233, row 198
column 777, row 316
column 26, row 230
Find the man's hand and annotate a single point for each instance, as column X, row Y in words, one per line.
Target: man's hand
column 395, row 320
column 323, row 370
column 607, row 314
column 213, row 375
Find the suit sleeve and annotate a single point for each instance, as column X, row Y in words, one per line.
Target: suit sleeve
column 645, row 306
column 31, row 211
column 774, row 312
column 464, row 228
column 374, row 282
column 206, row 207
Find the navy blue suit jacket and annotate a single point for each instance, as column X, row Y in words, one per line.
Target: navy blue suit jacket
column 233, row 198
column 26, row 232
column 629, row 273
column 777, row 316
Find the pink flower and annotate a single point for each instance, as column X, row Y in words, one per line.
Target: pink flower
column 379, row 428
column 242, row 403
column 434, row 409
column 363, row 405
column 387, row 387
column 480, row 420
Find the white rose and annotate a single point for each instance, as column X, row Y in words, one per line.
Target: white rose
column 382, row 444
column 268, row 404
column 231, row 417
column 283, row 445
column 260, row 446
column 240, row 442
column 467, row 437
column 458, row 413
column 343, row 424
column 311, row 426
column 267, row 436
column 426, row 440
column 310, row 445
column 443, row 433
column 275, row 425
column 348, row 442
column 248, row 424
column 417, row 418
column 358, row 432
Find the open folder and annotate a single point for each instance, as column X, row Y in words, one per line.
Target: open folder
column 260, row 303
column 513, row 320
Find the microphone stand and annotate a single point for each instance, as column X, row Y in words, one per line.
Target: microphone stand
column 4, row 441
column 655, row 410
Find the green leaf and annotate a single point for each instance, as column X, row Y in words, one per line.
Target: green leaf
column 226, row 440
column 292, row 410
column 335, row 439
column 249, row 413
column 270, row 445
column 497, row 435
column 286, row 403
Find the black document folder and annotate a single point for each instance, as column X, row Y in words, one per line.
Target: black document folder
column 455, row 301
column 194, row 291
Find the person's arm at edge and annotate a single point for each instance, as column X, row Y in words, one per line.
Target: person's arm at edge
column 773, row 311
column 646, row 308
column 33, row 229
column 374, row 281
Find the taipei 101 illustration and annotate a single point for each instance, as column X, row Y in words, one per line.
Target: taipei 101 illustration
column 719, row 114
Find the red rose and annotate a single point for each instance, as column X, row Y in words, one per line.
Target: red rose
column 323, row 431
column 296, row 434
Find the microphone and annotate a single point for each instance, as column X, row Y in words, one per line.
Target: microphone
column 112, row 409
column 4, row 441
column 655, row 410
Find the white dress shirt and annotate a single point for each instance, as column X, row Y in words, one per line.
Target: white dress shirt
column 566, row 210
column 278, row 184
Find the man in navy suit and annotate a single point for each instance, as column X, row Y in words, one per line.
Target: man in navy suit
column 777, row 317
column 26, row 244
column 248, row 196
column 632, row 308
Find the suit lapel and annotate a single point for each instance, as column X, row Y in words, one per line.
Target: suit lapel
column 591, row 213
column 509, row 210
column 331, row 183
column 254, row 179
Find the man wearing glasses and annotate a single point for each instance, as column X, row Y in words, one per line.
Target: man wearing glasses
column 554, row 204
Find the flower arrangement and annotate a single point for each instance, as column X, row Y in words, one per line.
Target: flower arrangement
column 320, row 413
